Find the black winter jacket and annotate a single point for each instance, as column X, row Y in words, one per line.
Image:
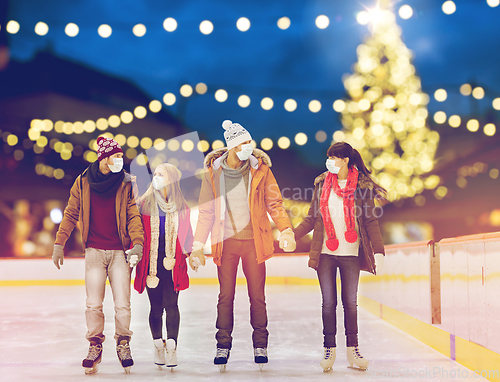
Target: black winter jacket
column 366, row 215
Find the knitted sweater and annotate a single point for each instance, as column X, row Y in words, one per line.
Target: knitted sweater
column 237, row 220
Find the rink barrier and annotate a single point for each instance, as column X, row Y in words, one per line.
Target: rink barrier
column 445, row 295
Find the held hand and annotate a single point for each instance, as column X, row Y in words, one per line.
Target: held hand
column 287, row 240
column 58, row 255
column 134, row 255
column 133, row 260
column 196, row 259
column 379, row 262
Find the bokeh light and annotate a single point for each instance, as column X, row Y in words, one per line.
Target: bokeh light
column 170, row 24
column 41, row 28
column 221, row 95
column 284, row 23
column 206, row 27
column 244, row 101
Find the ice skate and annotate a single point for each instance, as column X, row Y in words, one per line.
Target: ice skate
column 159, row 352
column 124, row 355
column 171, row 359
column 221, row 358
column 328, row 358
column 355, row 358
column 260, row 356
column 93, row 359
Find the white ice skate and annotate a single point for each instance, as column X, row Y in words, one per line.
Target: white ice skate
column 171, row 359
column 328, row 358
column 221, row 357
column 159, row 352
column 260, row 355
column 355, row 358
column 93, row 359
column 124, row 354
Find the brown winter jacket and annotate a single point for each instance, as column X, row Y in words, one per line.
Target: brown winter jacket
column 370, row 236
column 265, row 197
column 78, row 210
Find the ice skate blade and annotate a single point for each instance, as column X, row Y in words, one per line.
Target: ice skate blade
column 357, row 368
column 327, row 369
column 261, row 366
column 159, row 366
column 222, row 368
column 127, row 369
column 91, row 370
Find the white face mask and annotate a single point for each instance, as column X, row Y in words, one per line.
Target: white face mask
column 117, row 165
column 158, row 182
column 245, row 152
column 330, row 165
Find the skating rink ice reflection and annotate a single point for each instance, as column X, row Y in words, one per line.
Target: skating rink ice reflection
column 43, row 339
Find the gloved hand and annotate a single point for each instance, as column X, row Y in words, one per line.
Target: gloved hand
column 197, row 256
column 58, row 255
column 379, row 262
column 287, row 240
column 134, row 255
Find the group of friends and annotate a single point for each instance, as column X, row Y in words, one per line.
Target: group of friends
column 152, row 232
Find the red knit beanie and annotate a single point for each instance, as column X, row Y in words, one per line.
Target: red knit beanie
column 107, row 147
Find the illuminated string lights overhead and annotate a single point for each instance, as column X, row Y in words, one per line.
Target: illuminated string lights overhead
column 243, row 24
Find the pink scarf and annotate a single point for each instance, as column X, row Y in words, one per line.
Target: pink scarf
column 347, row 194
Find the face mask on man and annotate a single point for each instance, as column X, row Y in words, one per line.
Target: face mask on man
column 117, row 165
column 330, row 165
column 245, row 152
column 158, row 182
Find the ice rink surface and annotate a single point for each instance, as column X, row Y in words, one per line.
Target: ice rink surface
column 42, row 338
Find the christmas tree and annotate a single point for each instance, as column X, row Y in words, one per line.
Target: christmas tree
column 385, row 116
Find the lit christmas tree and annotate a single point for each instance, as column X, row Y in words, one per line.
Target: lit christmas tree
column 385, row 117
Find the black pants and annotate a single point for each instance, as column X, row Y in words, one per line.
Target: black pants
column 255, row 274
column 164, row 298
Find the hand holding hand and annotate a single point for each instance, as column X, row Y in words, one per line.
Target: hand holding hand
column 58, row 255
column 134, row 255
column 197, row 257
column 287, row 240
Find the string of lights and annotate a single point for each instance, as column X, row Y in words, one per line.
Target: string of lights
column 243, row 24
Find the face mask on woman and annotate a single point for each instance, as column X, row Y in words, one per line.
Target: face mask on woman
column 330, row 165
column 117, row 165
column 245, row 152
column 158, row 182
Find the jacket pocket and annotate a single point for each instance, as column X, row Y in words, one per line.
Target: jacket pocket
column 266, row 237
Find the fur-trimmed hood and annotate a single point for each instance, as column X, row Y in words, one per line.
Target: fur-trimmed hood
column 363, row 180
column 214, row 157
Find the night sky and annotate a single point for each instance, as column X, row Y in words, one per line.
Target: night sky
column 302, row 62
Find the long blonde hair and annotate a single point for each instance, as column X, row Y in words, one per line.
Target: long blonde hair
column 174, row 194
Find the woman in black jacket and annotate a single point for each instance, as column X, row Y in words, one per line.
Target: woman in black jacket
column 346, row 236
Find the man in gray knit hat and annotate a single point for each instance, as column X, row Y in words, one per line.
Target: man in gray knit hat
column 237, row 193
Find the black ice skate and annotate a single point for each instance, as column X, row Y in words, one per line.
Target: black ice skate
column 124, row 355
column 221, row 358
column 260, row 355
column 93, row 358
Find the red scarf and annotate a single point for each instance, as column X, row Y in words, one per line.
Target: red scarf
column 347, row 194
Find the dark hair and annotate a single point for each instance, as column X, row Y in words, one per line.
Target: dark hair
column 345, row 150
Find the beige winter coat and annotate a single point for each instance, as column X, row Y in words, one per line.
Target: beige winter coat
column 264, row 198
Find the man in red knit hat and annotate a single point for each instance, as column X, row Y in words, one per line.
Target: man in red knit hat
column 102, row 201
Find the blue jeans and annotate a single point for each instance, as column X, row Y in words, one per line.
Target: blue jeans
column 349, row 278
